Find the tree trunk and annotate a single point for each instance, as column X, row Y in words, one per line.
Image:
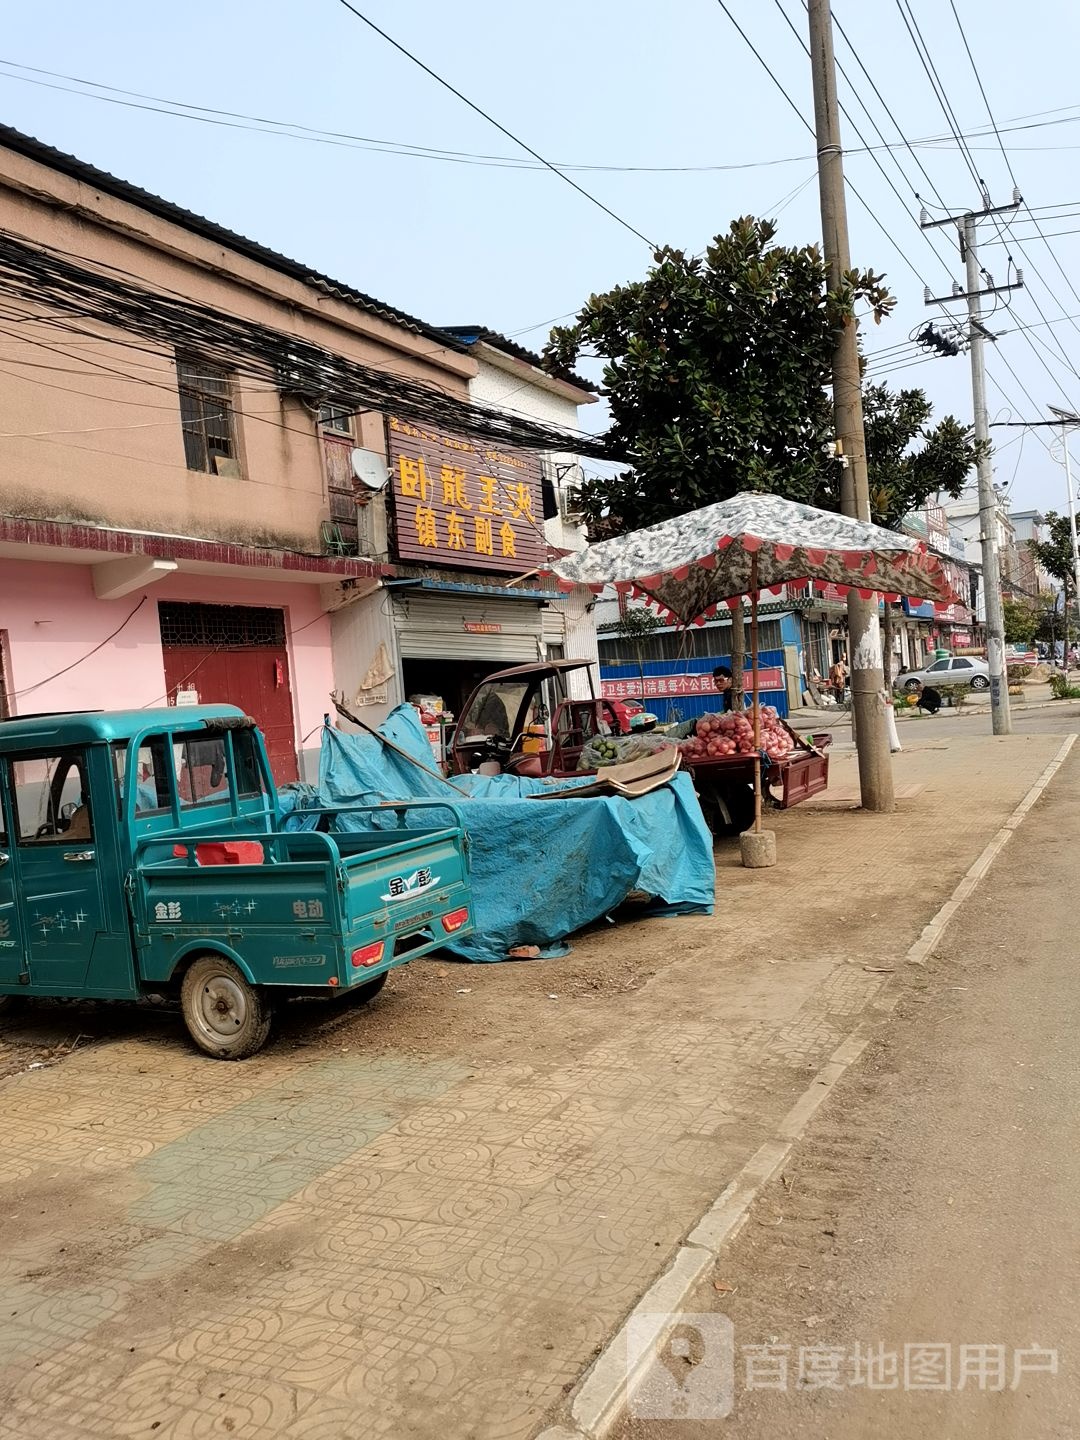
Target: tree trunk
column 887, row 645
column 738, row 655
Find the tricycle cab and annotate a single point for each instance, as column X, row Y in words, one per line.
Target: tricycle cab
column 522, row 721
column 141, row 849
column 78, row 792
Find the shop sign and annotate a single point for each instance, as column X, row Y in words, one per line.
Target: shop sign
column 481, row 627
column 464, row 503
column 664, row 686
column 926, row 610
column 961, row 638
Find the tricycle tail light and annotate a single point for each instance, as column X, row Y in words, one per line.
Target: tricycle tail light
column 455, row 920
column 367, row 955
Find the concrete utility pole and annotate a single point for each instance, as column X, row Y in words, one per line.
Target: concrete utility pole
column 869, row 720
column 988, row 500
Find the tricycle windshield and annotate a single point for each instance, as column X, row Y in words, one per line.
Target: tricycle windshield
column 152, row 789
column 495, row 711
column 201, row 766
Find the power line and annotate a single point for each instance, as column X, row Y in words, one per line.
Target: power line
column 847, row 115
column 285, row 129
column 806, row 124
column 937, row 85
column 982, row 92
column 1008, row 163
column 498, row 126
column 939, row 93
column 888, row 111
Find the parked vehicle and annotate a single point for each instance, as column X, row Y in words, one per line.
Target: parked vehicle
column 954, row 670
column 521, row 721
column 632, row 716
column 143, row 852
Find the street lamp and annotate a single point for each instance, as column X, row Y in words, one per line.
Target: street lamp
column 1069, row 421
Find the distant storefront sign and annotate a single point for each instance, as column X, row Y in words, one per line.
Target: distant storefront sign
column 481, row 627
column 663, row 686
column 465, row 504
column 926, row 610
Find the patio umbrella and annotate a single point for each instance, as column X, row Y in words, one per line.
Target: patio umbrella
column 688, row 565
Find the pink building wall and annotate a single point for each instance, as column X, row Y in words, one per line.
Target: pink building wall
column 51, row 620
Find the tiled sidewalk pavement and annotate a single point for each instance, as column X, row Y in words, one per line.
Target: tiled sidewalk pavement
column 433, row 1242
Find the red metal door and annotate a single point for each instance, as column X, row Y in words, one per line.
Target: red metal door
column 256, row 680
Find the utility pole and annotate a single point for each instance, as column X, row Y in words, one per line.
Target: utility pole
column 1000, row 718
column 868, row 700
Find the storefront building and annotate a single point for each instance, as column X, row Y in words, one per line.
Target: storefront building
column 177, row 518
column 469, row 527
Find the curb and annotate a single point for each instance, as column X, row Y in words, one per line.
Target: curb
column 602, row 1395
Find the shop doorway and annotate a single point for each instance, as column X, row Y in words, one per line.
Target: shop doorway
column 234, row 655
column 452, row 681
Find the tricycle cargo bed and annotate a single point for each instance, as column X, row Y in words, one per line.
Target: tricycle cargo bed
column 298, row 908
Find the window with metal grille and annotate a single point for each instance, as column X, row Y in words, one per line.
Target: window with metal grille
column 206, row 416
column 335, row 419
column 221, row 627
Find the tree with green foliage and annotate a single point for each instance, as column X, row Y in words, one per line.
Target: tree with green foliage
column 716, row 373
column 910, row 462
column 1055, row 555
column 1021, row 622
column 634, row 625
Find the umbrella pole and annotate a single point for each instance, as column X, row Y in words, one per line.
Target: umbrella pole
column 754, row 687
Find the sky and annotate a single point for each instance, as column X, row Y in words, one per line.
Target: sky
column 681, row 122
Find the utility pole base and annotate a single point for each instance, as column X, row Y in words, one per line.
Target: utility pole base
column 758, row 849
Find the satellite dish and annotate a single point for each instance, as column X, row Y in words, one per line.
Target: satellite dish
column 370, row 468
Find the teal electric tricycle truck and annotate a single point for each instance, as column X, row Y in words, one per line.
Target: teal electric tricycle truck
column 143, row 852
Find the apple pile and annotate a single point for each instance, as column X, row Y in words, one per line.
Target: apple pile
column 717, row 736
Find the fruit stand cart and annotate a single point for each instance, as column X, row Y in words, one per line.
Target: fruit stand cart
column 721, row 756
column 686, row 566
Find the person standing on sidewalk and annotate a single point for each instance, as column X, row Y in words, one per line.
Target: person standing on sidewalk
column 838, row 680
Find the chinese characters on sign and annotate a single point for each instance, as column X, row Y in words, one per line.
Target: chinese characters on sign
column 463, row 503
column 661, row 686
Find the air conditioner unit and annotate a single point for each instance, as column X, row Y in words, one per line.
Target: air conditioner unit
column 570, row 504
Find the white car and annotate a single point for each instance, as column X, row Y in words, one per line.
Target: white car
column 955, row 670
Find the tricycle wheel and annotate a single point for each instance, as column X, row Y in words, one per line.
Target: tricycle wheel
column 226, row 1016
column 364, row 994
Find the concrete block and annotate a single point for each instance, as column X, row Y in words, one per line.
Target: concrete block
column 758, row 849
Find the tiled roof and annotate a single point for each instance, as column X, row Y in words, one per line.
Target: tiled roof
column 87, row 174
column 470, row 334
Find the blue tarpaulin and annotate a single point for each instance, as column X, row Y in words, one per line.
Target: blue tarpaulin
column 540, row 869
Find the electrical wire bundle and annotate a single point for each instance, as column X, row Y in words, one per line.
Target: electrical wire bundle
column 57, row 286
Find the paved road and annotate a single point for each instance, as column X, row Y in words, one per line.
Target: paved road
column 934, row 1201
column 1040, row 718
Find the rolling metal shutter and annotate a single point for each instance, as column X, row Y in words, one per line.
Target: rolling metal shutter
column 432, row 627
